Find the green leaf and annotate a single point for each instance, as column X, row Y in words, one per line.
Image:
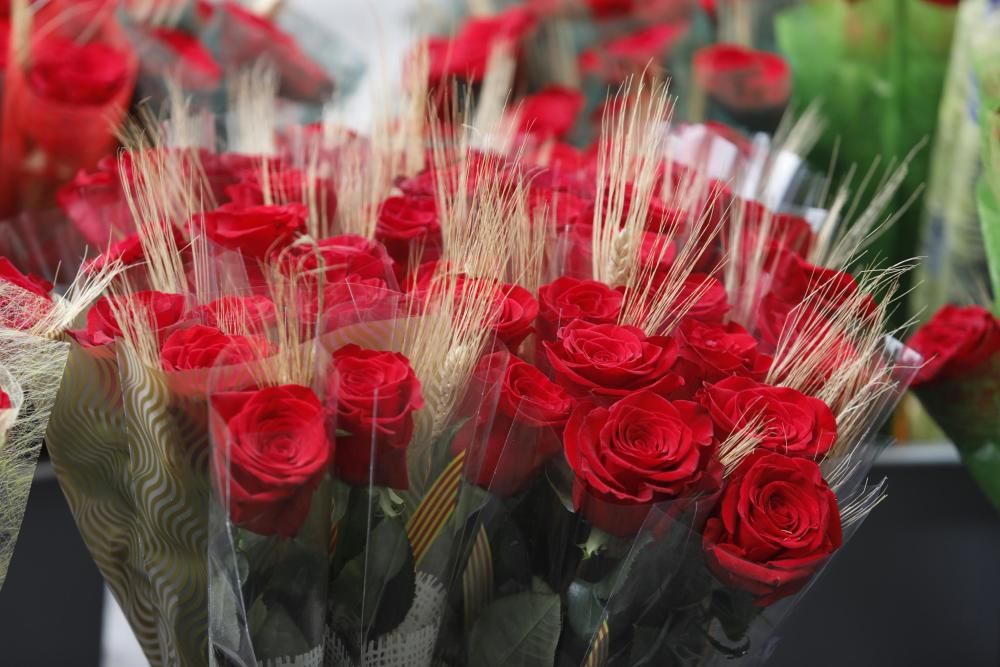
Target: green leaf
column 521, row 630
column 279, row 635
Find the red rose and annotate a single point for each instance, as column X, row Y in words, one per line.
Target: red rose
column 790, row 231
column 284, row 186
column 603, row 9
column 254, row 230
column 656, row 252
column 27, row 282
column 351, row 301
column 270, row 456
column 377, row 394
column 606, row 361
column 129, row 251
column 160, row 309
column 339, row 257
column 621, row 56
column 784, row 420
column 77, row 74
column 467, row 54
column 514, row 316
column 642, row 450
column 550, row 112
column 200, row 347
column 956, row 341
column 567, row 299
column 714, row 352
column 713, row 302
column 564, row 208
column 191, row 61
column 742, row 78
column 776, row 523
column 238, row 313
column 523, row 434
column 408, row 227
column 5, row 402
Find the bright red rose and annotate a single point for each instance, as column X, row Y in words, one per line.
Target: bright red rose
column 784, row 420
column 515, row 315
column 567, row 299
column 200, row 347
column 377, row 394
column 605, row 361
column 271, row 453
column 776, row 524
column 790, row 231
column 956, row 341
column 27, row 282
column 78, row 74
column 551, row 112
column 353, row 300
column 523, row 434
column 714, row 352
column 713, row 302
column 742, row 78
column 249, row 313
column 564, row 208
column 195, row 65
column 642, row 450
column 339, row 258
column 255, row 230
column 467, row 54
column 408, row 227
column 161, row 310
column 284, row 186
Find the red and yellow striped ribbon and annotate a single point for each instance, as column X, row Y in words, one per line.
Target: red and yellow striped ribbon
column 435, row 509
column 597, row 656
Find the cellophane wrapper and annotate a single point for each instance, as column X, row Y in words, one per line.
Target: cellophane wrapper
column 967, row 408
column 886, row 60
column 45, row 141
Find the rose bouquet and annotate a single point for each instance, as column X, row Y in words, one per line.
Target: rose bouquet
column 442, row 394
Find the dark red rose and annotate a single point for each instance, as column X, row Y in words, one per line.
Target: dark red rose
column 78, row 74
column 467, row 54
column 714, row 352
column 409, row 228
column 194, row 64
column 507, row 450
column 514, row 316
column 284, row 186
column 783, row 420
column 551, row 112
column 377, row 394
column 642, row 450
column 161, row 310
column 605, row 361
column 776, row 524
column 567, row 299
column 712, row 304
column 819, row 290
column 200, row 347
column 956, row 341
column 742, row 78
column 238, row 313
column 27, row 282
column 604, row 9
column 254, row 230
column 271, row 453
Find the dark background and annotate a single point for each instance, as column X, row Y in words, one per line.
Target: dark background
column 918, row 585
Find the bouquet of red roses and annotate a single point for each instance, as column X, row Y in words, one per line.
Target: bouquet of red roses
column 442, row 395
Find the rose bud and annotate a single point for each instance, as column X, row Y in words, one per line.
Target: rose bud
column 956, row 341
column 377, row 394
column 254, row 230
column 783, row 419
column 605, row 362
column 160, row 310
column 524, row 433
column 201, row 347
column 271, row 453
column 641, row 451
column 775, row 525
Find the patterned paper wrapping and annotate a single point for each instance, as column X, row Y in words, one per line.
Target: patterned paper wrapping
column 968, row 410
column 29, row 373
column 130, row 457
